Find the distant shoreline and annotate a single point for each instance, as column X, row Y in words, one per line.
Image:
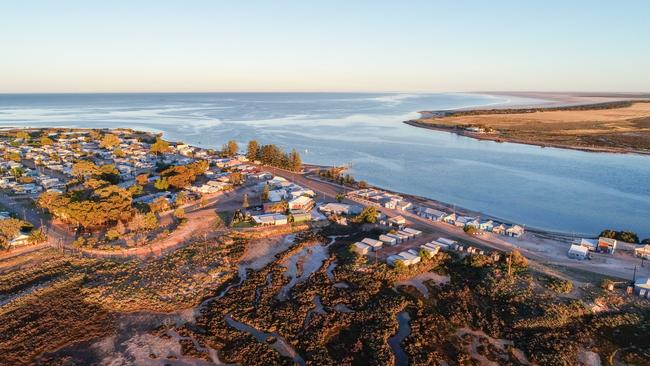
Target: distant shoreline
column 526, row 124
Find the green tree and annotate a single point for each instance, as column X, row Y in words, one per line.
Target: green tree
column 230, row 148
column 22, row 135
column 142, row 179
column 295, row 163
column 400, row 267
column 160, row 147
column 368, row 215
column 109, row 141
column 119, row 152
column 150, row 221
column 161, row 184
column 265, row 193
column 17, row 172
column 112, row 235
column 253, row 150
column 85, row 169
column 340, row 197
column 37, row 236
column 45, row 140
column 160, row 204
column 179, row 214
column 136, row 190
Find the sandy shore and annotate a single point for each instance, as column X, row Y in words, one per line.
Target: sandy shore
column 615, row 123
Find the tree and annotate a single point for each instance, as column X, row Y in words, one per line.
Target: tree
column 22, row 135
column 363, row 184
column 159, row 204
column 45, row 140
column 161, row 184
column 518, row 260
column 368, row 215
column 340, row 197
column 181, row 198
column 142, row 179
column 399, row 265
column 235, row 178
column 265, row 193
column 112, row 235
column 136, row 190
column 9, row 229
column 245, row 204
column 425, row 254
column 37, row 236
column 179, row 214
column 626, row 236
column 253, row 150
column 109, row 141
column 84, row 169
column 160, row 146
column 230, row 148
column 89, row 208
column 119, row 153
column 17, row 172
column 150, row 221
column 182, row 176
column 295, row 163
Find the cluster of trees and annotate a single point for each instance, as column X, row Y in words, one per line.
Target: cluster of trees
column 160, row 147
column 274, row 156
column 336, row 175
column 109, row 141
column 9, row 229
column 89, row 207
column 368, row 215
column 85, row 170
column 626, row 236
column 181, row 176
column 230, row 149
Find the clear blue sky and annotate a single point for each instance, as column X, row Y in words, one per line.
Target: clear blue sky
column 77, row 46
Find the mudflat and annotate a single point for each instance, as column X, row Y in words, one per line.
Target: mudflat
column 620, row 127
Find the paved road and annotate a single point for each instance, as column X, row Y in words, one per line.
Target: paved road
column 620, row 265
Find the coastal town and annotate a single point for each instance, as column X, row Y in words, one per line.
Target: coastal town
column 124, row 195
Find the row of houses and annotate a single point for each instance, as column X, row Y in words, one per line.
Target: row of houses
column 381, row 198
column 367, row 245
column 491, row 226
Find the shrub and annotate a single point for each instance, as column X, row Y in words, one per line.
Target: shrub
column 112, row 235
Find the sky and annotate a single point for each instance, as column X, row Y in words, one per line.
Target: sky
column 281, row 45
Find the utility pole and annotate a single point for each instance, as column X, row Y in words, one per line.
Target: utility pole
column 510, row 264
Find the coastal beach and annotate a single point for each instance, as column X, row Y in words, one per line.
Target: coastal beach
column 548, row 188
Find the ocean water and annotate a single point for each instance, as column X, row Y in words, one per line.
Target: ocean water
column 548, row 188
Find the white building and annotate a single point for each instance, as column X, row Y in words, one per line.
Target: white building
column 578, row 252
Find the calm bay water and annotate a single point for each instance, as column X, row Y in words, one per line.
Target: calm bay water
column 548, row 188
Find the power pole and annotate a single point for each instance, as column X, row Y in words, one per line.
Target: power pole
column 510, row 264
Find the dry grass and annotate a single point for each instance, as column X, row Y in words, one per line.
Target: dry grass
column 617, row 128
